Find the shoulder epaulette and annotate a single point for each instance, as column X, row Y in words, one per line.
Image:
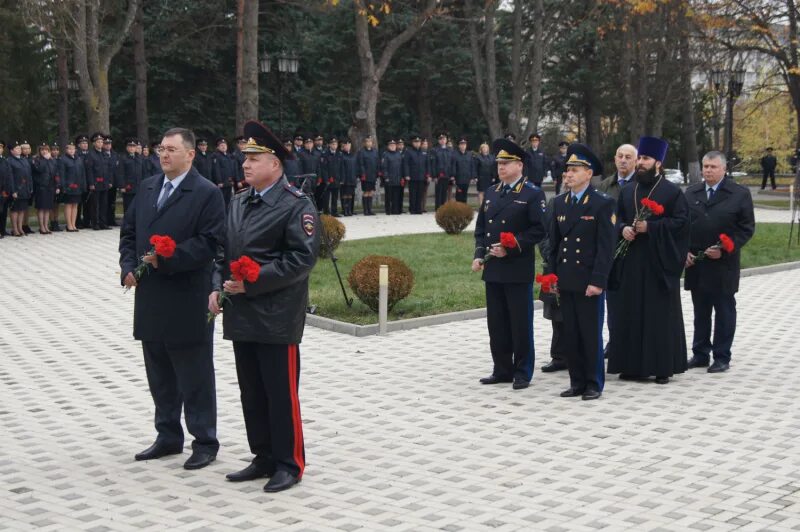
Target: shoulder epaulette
column 238, row 192
column 294, row 190
column 529, row 184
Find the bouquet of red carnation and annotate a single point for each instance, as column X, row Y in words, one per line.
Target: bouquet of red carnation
column 507, row 240
column 549, row 284
column 242, row 269
column 163, row 246
column 725, row 243
column 649, row 208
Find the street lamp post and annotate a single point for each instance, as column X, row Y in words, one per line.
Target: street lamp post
column 728, row 84
column 287, row 63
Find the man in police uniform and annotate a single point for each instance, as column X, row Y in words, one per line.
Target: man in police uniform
column 583, row 237
column 559, row 165
column 98, row 180
column 537, row 163
column 515, row 206
column 202, row 159
column 131, row 172
column 274, row 224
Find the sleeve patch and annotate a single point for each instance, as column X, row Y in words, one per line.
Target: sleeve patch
column 308, row 224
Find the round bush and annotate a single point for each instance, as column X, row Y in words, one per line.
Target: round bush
column 332, row 234
column 454, row 217
column 363, row 279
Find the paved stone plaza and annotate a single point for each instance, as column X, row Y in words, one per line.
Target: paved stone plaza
column 399, row 434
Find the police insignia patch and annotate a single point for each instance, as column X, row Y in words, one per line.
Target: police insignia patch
column 308, row 224
column 613, row 219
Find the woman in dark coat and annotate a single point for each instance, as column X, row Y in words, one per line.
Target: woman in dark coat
column 20, row 169
column 486, row 170
column 44, row 177
column 73, row 181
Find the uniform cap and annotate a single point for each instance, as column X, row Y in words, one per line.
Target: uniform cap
column 582, row 155
column 220, row 140
column 81, row 138
column 260, row 139
column 507, row 150
column 98, row 135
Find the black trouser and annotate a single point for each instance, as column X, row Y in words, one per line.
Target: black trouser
column 319, row 197
column 415, row 189
column 558, row 348
column 4, row 203
column 331, row 199
column 348, row 191
column 558, row 186
column 85, row 209
column 111, row 215
column 461, row 192
column 768, row 174
column 388, row 197
column 226, row 196
column 182, row 376
column 396, row 193
column 724, row 308
column 99, row 208
column 442, row 184
column 269, row 377
column 583, row 332
column 127, row 199
column 509, row 315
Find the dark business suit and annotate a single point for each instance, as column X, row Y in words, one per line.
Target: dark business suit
column 714, row 283
column 171, row 303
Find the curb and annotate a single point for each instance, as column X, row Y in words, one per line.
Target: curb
column 360, row 331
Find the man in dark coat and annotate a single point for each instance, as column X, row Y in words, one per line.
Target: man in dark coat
column 717, row 206
column 536, row 163
column 514, row 206
column 651, row 340
column 768, row 165
column 368, row 167
column 202, row 159
column 153, row 165
column 170, row 309
column 394, row 181
column 329, row 168
column 582, row 231
column 131, row 171
column 223, row 170
column 275, row 225
column 112, row 165
column 558, row 165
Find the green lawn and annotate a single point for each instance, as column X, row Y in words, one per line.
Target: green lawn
column 444, row 281
column 780, row 203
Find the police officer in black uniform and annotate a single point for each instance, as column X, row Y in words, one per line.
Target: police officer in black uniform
column 392, row 171
column 441, row 165
column 276, row 225
column 238, row 157
column 202, row 159
column 537, row 161
column 291, row 167
column 223, row 170
column 329, row 166
column 558, row 165
column 514, row 206
column 5, row 190
column 112, row 169
column 20, row 180
column 153, row 163
column 348, row 176
column 309, row 165
column 82, row 152
column 368, row 163
column 98, row 180
column 415, row 172
column 463, row 169
column 583, row 241
column 131, row 172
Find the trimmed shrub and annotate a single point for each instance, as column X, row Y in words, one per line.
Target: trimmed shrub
column 454, row 217
column 363, row 279
column 332, row 233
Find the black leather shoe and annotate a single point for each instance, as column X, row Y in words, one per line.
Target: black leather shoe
column 696, row 362
column 554, row 365
column 571, row 392
column 718, row 367
column 662, row 380
column 493, row 379
column 251, row 472
column 520, row 384
column 199, row 460
column 590, row 394
column 158, row 450
column 281, row 480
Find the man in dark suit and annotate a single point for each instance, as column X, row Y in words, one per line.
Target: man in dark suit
column 717, row 206
column 583, row 236
column 514, row 206
column 768, row 165
column 276, row 225
column 537, row 162
column 171, row 298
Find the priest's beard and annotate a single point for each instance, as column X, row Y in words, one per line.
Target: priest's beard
column 646, row 177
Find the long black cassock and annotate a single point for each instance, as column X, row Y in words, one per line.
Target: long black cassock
column 650, row 340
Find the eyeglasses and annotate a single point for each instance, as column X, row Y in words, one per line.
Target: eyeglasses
column 167, row 149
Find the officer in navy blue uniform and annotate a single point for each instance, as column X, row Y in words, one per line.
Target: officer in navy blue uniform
column 514, row 206
column 392, row 171
column 131, row 172
column 202, row 159
column 583, row 241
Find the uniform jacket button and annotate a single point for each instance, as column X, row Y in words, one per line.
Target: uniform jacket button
column 565, row 260
column 490, row 221
column 577, row 251
column 577, row 262
column 577, row 239
column 565, row 239
column 565, row 250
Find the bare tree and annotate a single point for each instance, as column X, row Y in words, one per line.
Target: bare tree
column 246, row 62
column 140, row 68
column 371, row 71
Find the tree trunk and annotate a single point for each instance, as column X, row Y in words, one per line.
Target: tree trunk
column 246, row 63
column 688, row 133
column 424, row 110
column 537, row 70
column 593, row 117
column 63, row 94
column 484, row 65
column 517, row 75
column 140, row 68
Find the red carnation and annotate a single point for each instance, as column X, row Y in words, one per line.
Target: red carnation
column 508, row 240
column 649, row 208
column 163, row 246
column 242, row 269
column 726, row 243
column 549, row 284
column 653, row 206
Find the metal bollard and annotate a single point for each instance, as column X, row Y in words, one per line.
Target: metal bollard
column 383, row 298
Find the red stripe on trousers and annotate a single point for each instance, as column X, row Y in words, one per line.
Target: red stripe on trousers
column 297, row 422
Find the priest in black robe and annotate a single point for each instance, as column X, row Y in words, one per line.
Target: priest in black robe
column 650, row 340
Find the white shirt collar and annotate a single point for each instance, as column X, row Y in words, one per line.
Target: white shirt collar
column 175, row 182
